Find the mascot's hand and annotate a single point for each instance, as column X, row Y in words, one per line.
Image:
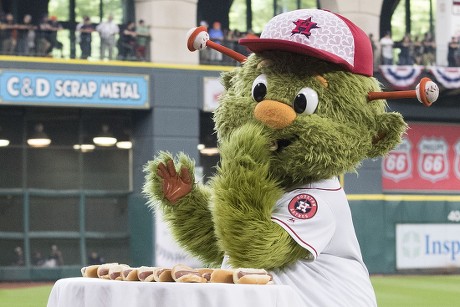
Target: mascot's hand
column 247, row 146
column 168, row 179
column 175, row 184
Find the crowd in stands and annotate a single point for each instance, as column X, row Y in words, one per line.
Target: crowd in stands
column 132, row 41
column 410, row 51
column 29, row 38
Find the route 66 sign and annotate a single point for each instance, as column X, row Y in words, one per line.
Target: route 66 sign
column 433, row 163
column 397, row 165
column 457, row 159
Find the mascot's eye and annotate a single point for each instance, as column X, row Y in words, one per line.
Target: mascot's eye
column 259, row 88
column 306, row 101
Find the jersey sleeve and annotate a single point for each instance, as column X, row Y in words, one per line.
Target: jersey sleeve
column 307, row 218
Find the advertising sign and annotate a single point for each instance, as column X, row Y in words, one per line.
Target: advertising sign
column 212, row 89
column 427, row 246
column 74, row 89
column 428, row 159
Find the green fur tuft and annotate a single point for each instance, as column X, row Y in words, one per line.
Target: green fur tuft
column 244, row 196
column 190, row 218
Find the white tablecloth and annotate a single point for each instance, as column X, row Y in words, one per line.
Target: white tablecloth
column 93, row 292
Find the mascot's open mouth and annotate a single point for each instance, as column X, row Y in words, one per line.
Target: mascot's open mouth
column 281, row 144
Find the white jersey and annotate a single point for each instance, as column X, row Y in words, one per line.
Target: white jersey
column 318, row 218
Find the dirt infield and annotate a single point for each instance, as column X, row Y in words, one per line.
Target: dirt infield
column 24, row 284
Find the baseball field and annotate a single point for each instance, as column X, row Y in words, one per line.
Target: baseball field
column 391, row 291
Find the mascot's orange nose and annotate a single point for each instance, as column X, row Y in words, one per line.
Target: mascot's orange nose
column 274, row 114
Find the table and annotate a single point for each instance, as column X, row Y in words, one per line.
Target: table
column 93, row 292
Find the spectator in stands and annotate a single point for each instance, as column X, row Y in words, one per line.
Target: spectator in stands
column 386, row 47
column 19, row 256
column 37, row 259
column 54, row 27
column 453, row 48
column 26, row 36
column 94, row 258
column 417, row 50
column 44, row 37
column 143, row 39
column 216, row 35
column 405, row 46
column 107, row 31
column 429, row 47
column 85, row 29
column 56, row 255
column 127, row 44
column 9, row 35
column 232, row 37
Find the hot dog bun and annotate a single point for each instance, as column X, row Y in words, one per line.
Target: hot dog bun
column 162, row 275
column 145, row 273
column 222, row 276
column 129, row 274
column 183, row 273
column 103, row 270
column 205, row 273
column 251, row 276
column 116, row 270
column 90, row 271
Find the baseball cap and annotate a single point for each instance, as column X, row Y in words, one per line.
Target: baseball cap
column 320, row 34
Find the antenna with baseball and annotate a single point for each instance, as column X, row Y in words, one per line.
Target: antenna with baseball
column 198, row 39
column 426, row 92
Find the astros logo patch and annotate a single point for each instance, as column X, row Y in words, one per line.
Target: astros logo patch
column 303, row 206
column 303, row 26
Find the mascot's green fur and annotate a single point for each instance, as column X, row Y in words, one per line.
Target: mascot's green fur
column 232, row 213
column 272, row 138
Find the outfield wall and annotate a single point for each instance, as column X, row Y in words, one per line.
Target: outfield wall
column 422, row 247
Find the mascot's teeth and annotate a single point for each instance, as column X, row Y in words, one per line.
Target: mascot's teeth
column 273, row 146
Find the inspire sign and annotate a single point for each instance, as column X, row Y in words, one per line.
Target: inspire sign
column 427, row 246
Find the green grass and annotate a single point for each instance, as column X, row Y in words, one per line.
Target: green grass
column 417, row 291
column 36, row 296
column 391, row 291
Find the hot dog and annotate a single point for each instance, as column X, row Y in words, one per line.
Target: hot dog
column 251, row 276
column 90, row 271
column 145, row 273
column 103, row 270
column 162, row 275
column 116, row 270
column 205, row 273
column 129, row 274
column 183, row 273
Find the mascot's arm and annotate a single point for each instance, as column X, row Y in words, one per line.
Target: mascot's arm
column 244, row 199
column 186, row 209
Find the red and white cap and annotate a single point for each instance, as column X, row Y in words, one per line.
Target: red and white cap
column 320, row 34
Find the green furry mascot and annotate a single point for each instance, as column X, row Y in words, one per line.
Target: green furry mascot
column 293, row 117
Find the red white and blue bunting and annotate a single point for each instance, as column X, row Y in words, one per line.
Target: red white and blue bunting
column 401, row 76
column 448, row 77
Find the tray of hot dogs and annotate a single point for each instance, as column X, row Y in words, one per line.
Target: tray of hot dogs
column 178, row 273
